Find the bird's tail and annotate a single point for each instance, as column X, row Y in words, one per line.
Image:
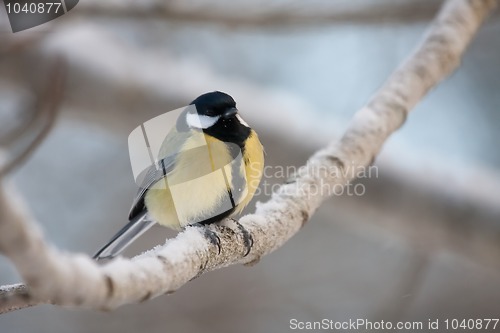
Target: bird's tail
column 124, row 237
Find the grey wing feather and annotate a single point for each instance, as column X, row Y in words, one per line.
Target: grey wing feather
column 153, row 175
column 125, row 237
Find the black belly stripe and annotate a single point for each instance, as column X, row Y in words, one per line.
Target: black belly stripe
column 228, row 186
column 238, row 180
column 237, row 186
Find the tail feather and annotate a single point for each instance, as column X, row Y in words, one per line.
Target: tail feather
column 130, row 232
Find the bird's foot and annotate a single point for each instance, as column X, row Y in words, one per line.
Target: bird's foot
column 210, row 235
column 247, row 237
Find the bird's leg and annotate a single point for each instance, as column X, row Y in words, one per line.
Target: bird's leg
column 247, row 237
column 210, row 235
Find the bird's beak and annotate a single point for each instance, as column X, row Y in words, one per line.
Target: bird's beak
column 229, row 113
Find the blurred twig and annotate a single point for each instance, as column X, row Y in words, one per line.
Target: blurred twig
column 70, row 279
column 265, row 13
column 27, row 138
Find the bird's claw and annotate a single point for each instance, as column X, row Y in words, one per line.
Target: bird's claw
column 210, row 235
column 247, row 237
column 213, row 238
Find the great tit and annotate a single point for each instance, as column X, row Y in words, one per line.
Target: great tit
column 208, row 168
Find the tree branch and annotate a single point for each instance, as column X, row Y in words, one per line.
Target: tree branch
column 75, row 279
column 15, row 297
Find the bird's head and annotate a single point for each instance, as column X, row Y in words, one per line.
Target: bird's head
column 216, row 114
column 211, row 108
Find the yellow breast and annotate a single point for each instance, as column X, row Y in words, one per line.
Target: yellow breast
column 198, row 186
column 254, row 166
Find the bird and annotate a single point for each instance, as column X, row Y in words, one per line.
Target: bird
column 208, row 168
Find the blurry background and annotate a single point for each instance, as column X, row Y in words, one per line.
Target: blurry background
column 423, row 242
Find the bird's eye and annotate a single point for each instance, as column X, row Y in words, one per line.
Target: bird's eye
column 210, row 112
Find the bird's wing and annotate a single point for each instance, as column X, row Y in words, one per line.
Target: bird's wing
column 153, row 175
column 171, row 146
column 139, row 221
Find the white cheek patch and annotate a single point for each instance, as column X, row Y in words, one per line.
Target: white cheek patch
column 200, row 121
column 244, row 123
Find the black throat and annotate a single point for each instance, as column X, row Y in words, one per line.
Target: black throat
column 229, row 130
